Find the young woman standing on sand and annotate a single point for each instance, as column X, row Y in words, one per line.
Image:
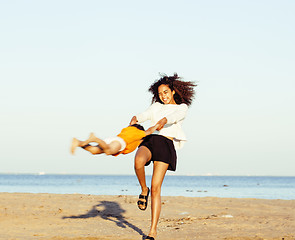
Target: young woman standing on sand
column 171, row 98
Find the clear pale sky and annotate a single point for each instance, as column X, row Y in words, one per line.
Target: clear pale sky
column 68, row 68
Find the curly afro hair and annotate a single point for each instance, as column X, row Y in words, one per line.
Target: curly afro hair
column 184, row 91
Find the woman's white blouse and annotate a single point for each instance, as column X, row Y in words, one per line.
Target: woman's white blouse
column 175, row 115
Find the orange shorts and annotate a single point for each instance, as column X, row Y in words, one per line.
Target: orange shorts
column 133, row 137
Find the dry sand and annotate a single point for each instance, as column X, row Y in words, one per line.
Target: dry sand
column 90, row 217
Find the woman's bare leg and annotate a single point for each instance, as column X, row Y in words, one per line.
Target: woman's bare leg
column 143, row 155
column 159, row 171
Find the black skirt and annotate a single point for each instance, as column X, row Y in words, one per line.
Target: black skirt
column 162, row 149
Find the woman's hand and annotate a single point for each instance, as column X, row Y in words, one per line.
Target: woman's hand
column 133, row 120
column 161, row 123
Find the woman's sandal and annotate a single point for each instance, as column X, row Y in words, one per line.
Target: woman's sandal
column 140, row 203
column 148, row 237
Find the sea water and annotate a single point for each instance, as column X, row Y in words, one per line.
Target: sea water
column 264, row 187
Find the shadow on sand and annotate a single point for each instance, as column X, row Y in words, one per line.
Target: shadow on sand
column 111, row 211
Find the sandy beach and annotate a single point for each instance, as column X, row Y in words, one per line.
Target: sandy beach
column 91, row 217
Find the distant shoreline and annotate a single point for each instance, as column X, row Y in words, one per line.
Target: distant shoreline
column 260, row 187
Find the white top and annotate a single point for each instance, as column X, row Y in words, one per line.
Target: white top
column 175, row 115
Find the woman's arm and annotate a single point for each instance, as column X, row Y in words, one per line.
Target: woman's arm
column 142, row 117
column 178, row 115
column 146, row 115
column 161, row 123
column 174, row 117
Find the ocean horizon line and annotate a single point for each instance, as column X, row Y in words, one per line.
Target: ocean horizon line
column 122, row 174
